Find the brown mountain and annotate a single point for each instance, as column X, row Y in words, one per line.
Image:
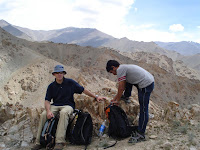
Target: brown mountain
column 192, row 61
column 176, row 67
column 27, row 66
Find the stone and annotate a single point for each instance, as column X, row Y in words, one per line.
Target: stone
column 167, row 145
column 195, row 111
column 152, row 136
column 24, row 144
column 2, row 145
column 193, row 122
column 13, row 129
column 8, row 139
column 173, row 105
column 151, row 116
column 192, row 148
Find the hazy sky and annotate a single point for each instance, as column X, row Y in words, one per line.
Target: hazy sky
column 140, row 20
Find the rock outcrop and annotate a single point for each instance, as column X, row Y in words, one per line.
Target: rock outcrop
column 19, row 125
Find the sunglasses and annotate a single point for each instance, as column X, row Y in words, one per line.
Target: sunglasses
column 58, row 72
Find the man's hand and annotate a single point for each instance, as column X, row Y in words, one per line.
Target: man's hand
column 114, row 102
column 49, row 115
column 100, row 98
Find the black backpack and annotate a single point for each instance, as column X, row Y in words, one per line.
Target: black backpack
column 119, row 125
column 47, row 138
column 81, row 132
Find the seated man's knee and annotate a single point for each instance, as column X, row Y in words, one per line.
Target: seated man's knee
column 67, row 111
column 64, row 112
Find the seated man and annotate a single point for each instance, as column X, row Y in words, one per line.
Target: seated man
column 61, row 91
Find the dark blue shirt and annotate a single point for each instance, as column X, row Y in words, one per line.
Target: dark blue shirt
column 63, row 94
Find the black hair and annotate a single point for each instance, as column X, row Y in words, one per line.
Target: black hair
column 111, row 63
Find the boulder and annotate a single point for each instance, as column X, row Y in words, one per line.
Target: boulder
column 195, row 111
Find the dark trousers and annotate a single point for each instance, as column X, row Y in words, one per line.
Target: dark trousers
column 143, row 97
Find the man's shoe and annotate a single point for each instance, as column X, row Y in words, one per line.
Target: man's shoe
column 59, row 146
column 136, row 137
column 36, row 147
column 125, row 99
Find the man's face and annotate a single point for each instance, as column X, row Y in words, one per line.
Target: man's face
column 114, row 70
column 59, row 75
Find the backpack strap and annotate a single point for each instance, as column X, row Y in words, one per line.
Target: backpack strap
column 51, row 123
column 82, row 127
column 82, row 130
column 76, row 113
column 110, row 145
column 45, row 127
column 49, row 127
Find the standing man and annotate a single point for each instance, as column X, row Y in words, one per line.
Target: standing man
column 129, row 75
column 61, row 91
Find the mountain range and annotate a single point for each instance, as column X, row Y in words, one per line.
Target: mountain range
column 184, row 51
column 184, row 47
column 26, row 64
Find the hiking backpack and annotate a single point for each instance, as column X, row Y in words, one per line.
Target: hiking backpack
column 81, row 132
column 47, row 138
column 118, row 122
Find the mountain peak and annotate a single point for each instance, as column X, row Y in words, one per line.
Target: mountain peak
column 124, row 38
column 3, row 23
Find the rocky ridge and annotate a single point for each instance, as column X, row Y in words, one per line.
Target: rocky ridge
column 168, row 128
column 175, row 67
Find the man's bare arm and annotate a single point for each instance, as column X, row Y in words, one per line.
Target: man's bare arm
column 48, row 110
column 120, row 91
column 98, row 98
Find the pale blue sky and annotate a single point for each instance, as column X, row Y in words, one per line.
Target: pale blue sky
column 140, row 20
column 166, row 12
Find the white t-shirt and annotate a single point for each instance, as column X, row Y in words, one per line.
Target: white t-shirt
column 134, row 74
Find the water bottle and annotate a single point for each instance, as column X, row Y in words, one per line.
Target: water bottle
column 102, row 128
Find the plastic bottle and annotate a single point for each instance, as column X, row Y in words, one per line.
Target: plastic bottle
column 102, row 128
